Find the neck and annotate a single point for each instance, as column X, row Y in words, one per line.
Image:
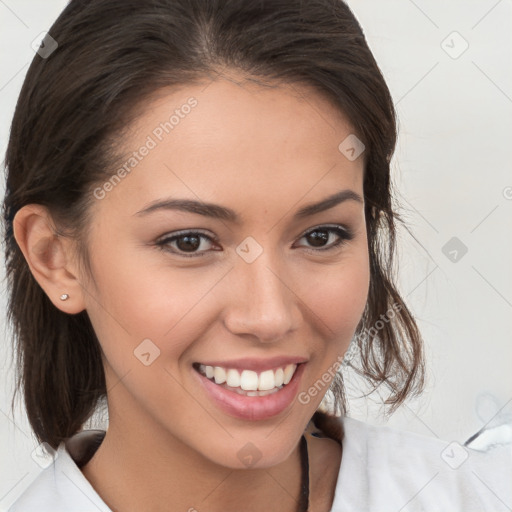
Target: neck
column 131, row 471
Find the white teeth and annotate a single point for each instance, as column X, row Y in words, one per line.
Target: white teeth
column 279, row 377
column 288, row 373
column 219, row 375
column 266, row 381
column 232, row 378
column 249, row 381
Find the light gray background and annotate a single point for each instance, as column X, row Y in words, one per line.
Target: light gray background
column 452, row 167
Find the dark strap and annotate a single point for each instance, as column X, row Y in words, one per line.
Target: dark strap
column 304, row 489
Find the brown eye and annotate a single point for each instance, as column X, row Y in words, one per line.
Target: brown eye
column 186, row 242
column 320, row 236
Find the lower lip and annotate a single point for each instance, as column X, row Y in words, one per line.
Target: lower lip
column 252, row 408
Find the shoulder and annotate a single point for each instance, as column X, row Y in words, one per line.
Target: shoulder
column 61, row 485
column 384, row 468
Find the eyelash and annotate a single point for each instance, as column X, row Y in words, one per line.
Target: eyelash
column 345, row 235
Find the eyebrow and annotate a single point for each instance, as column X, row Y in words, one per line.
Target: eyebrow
column 216, row 211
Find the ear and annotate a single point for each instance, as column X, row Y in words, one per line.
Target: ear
column 49, row 257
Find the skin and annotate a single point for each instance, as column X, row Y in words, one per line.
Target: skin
column 264, row 152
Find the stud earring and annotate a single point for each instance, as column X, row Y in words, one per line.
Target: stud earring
column 64, row 296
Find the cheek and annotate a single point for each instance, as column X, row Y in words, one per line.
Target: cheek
column 145, row 317
column 131, row 304
column 338, row 297
column 143, row 297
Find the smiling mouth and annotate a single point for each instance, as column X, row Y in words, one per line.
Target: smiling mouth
column 248, row 382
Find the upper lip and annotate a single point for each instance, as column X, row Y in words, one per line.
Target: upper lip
column 256, row 365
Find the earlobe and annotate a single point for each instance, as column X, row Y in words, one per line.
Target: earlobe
column 48, row 257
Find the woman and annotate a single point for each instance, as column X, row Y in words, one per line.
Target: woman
column 199, row 222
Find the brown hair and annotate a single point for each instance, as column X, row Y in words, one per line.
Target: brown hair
column 111, row 56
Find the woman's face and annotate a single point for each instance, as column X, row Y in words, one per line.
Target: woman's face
column 242, row 276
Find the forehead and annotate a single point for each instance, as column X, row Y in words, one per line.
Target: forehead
column 233, row 141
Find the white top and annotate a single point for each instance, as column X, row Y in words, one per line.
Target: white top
column 383, row 469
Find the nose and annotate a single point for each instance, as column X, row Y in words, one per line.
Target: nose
column 261, row 302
